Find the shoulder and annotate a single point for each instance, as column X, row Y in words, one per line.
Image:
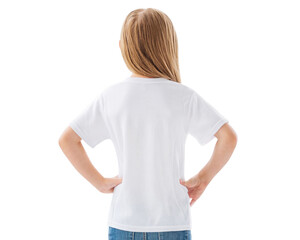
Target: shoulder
column 188, row 93
column 180, row 89
column 187, row 89
column 112, row 88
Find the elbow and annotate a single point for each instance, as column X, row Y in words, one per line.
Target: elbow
column 234, row 138
column 61, row 141
column 229, row 141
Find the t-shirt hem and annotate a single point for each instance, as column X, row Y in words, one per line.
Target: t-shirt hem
column 80, row 133
column 213, row 130
column 148, row 228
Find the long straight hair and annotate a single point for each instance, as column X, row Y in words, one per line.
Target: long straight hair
column 149, row 44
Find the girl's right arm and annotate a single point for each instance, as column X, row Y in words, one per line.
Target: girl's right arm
column 227, row 140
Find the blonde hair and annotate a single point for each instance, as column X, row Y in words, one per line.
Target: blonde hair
column 149, row 44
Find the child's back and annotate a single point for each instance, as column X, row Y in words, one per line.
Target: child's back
column 148, row 120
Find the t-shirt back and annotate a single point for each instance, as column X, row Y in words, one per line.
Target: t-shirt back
column 148, row 120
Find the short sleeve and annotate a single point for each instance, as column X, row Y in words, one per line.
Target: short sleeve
column 204, row 120
column 90, row 123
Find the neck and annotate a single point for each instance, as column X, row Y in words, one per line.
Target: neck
column 137, row 75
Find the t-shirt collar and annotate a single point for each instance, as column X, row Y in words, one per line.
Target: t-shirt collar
column 145, row 80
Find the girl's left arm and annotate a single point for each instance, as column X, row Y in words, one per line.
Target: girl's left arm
column 71, row 145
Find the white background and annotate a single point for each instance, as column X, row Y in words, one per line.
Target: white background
column 241, row 56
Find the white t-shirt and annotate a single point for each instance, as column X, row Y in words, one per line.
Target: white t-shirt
column 148, row 120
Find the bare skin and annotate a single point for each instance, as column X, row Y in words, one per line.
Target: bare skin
column 227, row 140
column 137, row 75
column 71, row 145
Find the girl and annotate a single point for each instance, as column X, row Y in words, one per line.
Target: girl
column 148, row 116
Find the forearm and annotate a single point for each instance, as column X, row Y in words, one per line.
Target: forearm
column 77, row 155
column 220, row 156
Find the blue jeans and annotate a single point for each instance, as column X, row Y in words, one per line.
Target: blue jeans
column 118, row 234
